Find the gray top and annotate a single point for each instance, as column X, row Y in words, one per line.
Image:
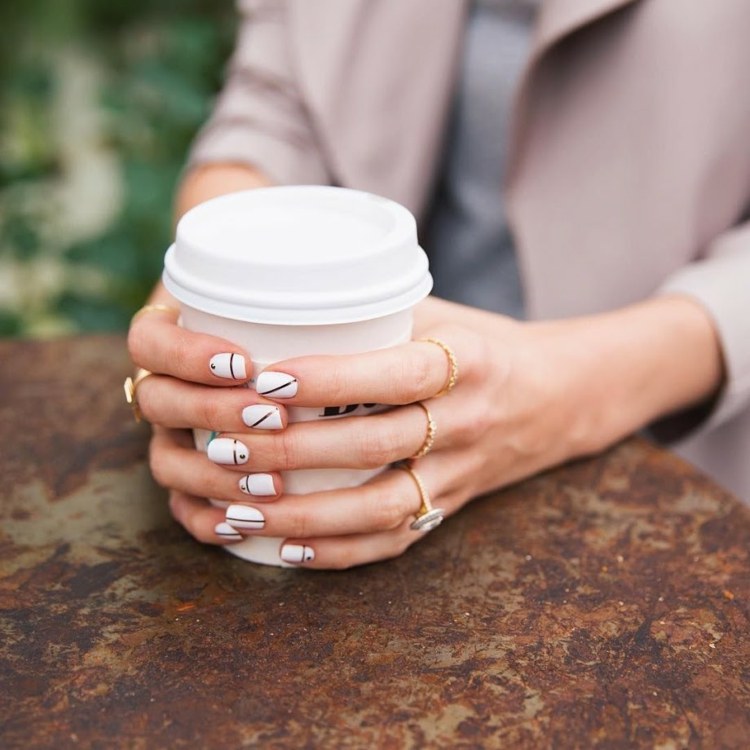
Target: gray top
column 471, row 251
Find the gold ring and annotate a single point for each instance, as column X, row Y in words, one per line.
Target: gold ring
column 429, row 437
column 130, row 385
column 428, row 518
column 452, row 366
column 153, row 308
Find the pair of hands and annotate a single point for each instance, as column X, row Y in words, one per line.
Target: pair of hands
column 509, row 416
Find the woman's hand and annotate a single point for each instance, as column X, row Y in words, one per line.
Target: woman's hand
column 529, row 396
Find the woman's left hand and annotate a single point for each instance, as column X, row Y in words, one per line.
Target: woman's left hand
column 528, row 396
column 506, row 418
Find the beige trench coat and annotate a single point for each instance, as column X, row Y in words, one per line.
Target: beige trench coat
column 630, row 169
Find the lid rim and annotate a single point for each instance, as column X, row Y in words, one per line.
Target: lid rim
column 291, row 316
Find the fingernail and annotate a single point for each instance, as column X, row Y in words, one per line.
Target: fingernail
column 262, row 417
column 276, row 384
column 245, row 517
column 225, row 531
column 228, row 365
column 227, row 451
column 297, row 553
column 257, row 484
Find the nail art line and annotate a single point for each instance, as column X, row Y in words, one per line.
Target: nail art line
column 281, row 384
column 262, row 417
column 297, row 553
column 278, row 387
column 260, row 485
column 227, row 451
column 245, row 517
column 225, row 531
column 228, row 365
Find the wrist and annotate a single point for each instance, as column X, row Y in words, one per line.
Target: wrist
column 627, row 368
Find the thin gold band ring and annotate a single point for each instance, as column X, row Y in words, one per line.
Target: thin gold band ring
column 429, row 437
column 452, row 366
column 153, row 308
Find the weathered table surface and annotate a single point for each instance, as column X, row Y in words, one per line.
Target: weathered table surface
column 605, row 604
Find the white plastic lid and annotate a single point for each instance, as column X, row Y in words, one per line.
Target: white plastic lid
column 306, row 255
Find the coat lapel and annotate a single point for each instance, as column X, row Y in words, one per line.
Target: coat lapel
column 557, row 19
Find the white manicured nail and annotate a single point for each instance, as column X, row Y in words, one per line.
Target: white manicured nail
column 228, row 365
column 297, row 553
column 257, row 484
column 227, row 451
column 225, row 531
column 262, row 417
column 245, row 517
column 276, row 385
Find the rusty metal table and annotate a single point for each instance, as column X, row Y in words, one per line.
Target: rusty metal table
column 605, row 604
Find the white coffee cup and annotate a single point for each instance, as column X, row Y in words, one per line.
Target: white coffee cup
column 292, row 271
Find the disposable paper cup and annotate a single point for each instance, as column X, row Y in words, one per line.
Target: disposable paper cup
column 291, row 271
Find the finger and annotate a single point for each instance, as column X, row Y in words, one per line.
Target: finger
column 381, row 504
column 399, row 375
column 441, row 479
column 364, row 442
column 159, row 345
column 201, row 520
column 177, row 404
column 342, row 552
column 181, row 467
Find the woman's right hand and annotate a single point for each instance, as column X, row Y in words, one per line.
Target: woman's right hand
column 198, row 381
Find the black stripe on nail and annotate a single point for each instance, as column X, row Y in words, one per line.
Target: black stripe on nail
column 260, row 525
column 263, row 418
column 231, row 366
column 234, row 452
column 278, row 387
column 229, row 535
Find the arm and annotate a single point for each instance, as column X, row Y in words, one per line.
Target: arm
column 201, row 184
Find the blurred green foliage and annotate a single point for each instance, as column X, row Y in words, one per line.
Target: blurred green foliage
column 99, row 100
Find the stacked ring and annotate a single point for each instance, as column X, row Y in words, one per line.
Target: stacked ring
column 452, row 366
column 429, row 438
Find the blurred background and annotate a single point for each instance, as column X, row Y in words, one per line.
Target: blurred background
column 99, row 100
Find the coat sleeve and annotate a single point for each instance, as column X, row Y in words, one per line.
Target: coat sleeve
column 720, row 282
column 260, row 118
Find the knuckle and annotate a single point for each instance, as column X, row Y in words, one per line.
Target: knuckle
column 157, row 465
column 376, row 449
column 344, row 560
column 210, row 414
column 466, row 431
column 286, row 450
column 418, row 381
column 387, row 510
column 299, row 524
column 181, row 354
column 136, row 344
column 403, row 542
column 336, row 385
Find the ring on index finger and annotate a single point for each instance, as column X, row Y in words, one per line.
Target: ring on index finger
column 452, row 366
